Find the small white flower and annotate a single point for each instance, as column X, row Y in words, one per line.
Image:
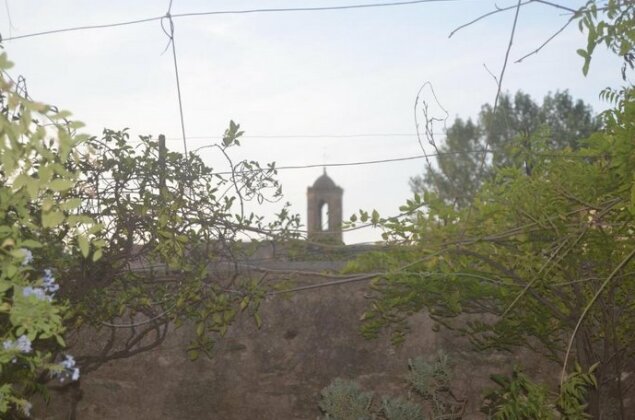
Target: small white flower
column 22, row 344
column 26, row 409
column 68, row 364
column 28, row 256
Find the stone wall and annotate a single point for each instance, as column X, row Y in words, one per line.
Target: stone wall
column 275, row 372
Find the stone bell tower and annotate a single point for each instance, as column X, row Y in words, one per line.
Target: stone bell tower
column 324, row 210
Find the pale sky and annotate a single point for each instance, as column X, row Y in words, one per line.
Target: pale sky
column 288, row 75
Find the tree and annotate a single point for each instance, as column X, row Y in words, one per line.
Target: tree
column 166, row 220
column 549, row 255
column 462, row 168
column 540, row 255
column 137, row 238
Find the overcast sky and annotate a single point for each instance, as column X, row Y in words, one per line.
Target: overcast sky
column 283, row 76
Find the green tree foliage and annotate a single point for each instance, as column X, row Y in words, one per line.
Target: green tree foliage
column 136, row 238
column 461, row 170
column 537, row 252
column 540, row 256
column 611, row 24
column 38, row 216
column 173, row 231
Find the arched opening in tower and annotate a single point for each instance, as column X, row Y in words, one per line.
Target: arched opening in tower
column 324, row 216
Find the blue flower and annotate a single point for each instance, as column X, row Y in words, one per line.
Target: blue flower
column 49, row 282
column 68, row 364
column 38, row 292
column 28, row 256
column 22, row 344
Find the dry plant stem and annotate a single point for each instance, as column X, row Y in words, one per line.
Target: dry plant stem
column 551, row 38
column 509, row 48
column 544, row 266
column 486, row 15
column 417, row 125
column 617, row 269
column 137, row 324
column 556, row 5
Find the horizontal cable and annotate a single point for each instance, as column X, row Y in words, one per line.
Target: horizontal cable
column 304, row 136
column 358, row 163
column 227, row 12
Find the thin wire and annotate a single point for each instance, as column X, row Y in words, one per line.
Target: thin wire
column 358, row 163
column 227, row 12
column 307, row 136
column 314, row 9
column 380, row 161
column 170, row 35
column 84, row 28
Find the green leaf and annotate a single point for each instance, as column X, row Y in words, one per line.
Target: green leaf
column 71, row 204
column 32, row 187
column 17, row 253
column 375, row 217
column 244, row 303
column 20, row 181
column 82, row 241
column 46, row 173
column 52, row 219
column 192, row 354
column 60, row 184
column 30, row 243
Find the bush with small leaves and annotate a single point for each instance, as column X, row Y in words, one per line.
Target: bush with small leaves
column 398, row 409
column 518, row 397
column 429, row 379
column 344, row 400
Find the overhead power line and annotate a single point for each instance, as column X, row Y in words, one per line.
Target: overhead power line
column 357, row 163
column 227, row 12
column 400, row 159
column 305, row 136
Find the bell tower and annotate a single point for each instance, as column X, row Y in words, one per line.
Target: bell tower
column 324, row 210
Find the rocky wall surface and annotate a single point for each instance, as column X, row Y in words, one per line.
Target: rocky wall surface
column 275, row 372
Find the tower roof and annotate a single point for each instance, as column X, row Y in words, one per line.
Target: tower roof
column 324, row 182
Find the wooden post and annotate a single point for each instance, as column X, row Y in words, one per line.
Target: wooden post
column 162, row 155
